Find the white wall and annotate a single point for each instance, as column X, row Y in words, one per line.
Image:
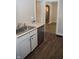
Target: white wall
column 24, row 10
column 60, row 18
column 43, row 11
column 51, row 0
column 38, row 0
column 54, row 12
column 38, row 11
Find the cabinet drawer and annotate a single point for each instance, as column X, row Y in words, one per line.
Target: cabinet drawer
column 23, row 37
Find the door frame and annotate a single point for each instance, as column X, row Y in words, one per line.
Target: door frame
column 57, row 13
column 47, row 21
column 45, row 12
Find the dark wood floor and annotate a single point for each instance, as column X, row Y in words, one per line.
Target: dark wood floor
column 50, row 28
column 51, row 48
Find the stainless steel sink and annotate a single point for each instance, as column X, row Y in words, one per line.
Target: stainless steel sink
column 23, row 29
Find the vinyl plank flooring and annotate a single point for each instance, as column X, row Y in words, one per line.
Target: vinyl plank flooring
column 50, row 27
column 51, row 48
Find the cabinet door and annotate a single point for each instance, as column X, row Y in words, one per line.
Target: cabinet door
column 24, row 47
column 33, row 42
column 17, row 49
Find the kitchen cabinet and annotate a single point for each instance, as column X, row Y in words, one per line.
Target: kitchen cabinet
column 33, row 42
column 23, row 46
column 26, row 44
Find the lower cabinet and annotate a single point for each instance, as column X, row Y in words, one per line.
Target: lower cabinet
column 33, row 42
column 23, row 48
column 26, row 44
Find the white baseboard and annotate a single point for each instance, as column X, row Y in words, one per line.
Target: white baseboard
column 59, row 34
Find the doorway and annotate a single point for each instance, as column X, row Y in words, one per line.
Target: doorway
column 47, row 13
column 51, row 16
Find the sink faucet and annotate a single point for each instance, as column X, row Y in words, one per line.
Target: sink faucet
column 18, row 25
column 33, row 19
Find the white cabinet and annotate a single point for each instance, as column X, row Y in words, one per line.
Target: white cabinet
column 33, row 39
column 22, row 47
column 26, row 44
column 33, row 42
column 17, row 49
